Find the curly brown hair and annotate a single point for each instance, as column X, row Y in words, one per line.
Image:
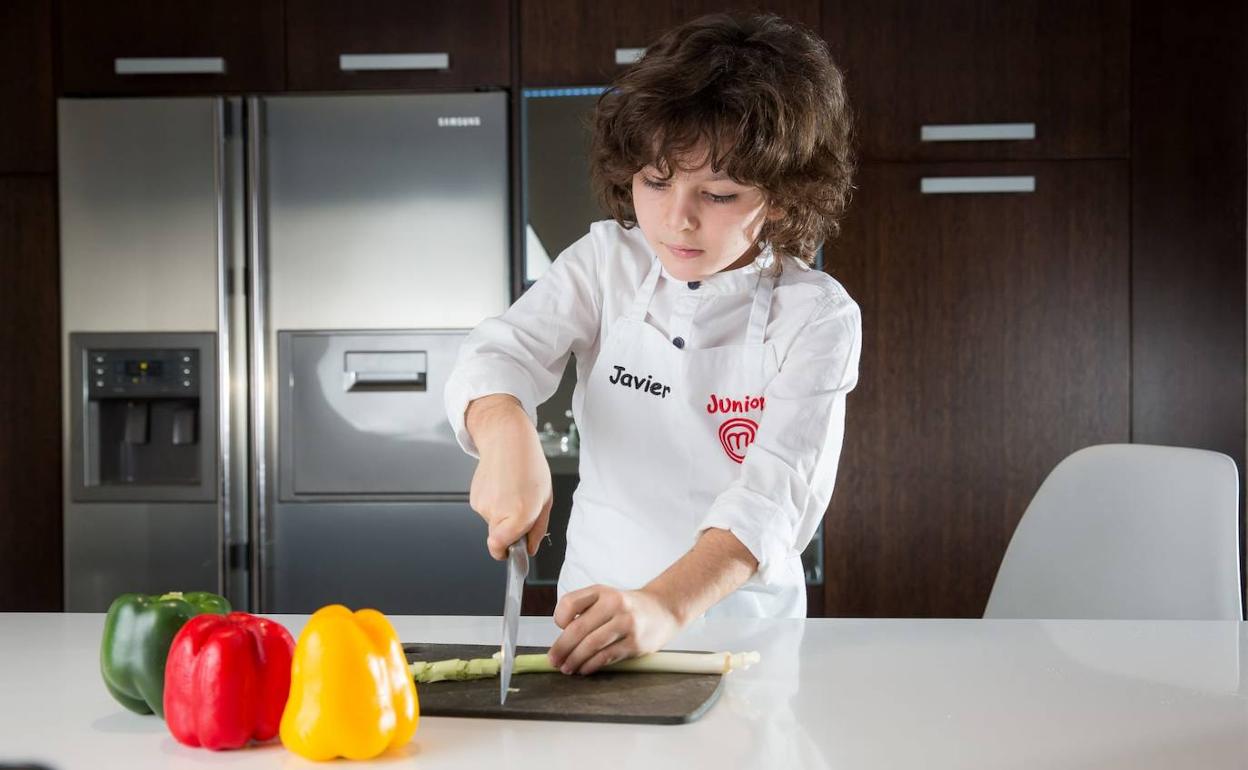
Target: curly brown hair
column 762, row 95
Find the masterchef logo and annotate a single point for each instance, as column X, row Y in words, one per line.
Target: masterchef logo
column 736, row 435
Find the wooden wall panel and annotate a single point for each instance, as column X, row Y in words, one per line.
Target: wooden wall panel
column 30, row 397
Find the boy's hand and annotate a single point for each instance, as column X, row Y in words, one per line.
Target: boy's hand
column 511, row 487
column 602, row 625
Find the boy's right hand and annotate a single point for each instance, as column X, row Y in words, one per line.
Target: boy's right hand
column 511, row 487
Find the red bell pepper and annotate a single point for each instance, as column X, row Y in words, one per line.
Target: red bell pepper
column 226, row 680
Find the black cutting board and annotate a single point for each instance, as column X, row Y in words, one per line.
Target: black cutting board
column 656, row 699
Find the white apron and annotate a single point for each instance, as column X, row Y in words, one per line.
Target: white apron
column 654, row 457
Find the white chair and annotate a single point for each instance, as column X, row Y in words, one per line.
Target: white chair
column 1128, row 531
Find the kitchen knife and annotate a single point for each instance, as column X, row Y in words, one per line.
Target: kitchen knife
column 517, row 571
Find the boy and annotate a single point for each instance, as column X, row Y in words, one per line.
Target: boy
column 712, row 362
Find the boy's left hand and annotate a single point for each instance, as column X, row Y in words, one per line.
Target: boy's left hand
column 602, row 625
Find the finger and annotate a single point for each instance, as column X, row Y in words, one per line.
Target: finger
column 569, row 649
column 594, row 642
column 497, row 552
column 574, row 603
column 503, row 532
column 575, row 630
column 539, row 527
column 612, row 653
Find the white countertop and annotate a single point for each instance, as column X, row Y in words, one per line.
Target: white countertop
column 829, row 694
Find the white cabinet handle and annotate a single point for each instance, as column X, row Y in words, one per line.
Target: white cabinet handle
column 364, row 62
column 178, row 65
column 626, row 56
column 946, row 185
column 977, row 132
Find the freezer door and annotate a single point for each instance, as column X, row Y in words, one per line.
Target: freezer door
column 386, row 211
column 361, row 416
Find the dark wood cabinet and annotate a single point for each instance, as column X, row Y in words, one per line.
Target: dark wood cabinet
column 1189, row 206
column 30, row 396
column 959, row 66
column 577, row 42
column 160, row 47
column 28, row 134
column 332, row 45
column 996, row 341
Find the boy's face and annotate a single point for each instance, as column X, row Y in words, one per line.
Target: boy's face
column 698, row 222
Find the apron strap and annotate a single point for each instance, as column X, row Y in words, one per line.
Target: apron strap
column 761, row 309
column 641, row 300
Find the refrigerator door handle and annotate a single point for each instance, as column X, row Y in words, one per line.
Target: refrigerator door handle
column 222, row 180
column 232, row 349
column 357, row 381
column 385, row 370
column 257, row 288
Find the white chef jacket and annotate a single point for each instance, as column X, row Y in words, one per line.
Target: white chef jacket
column 789, row 471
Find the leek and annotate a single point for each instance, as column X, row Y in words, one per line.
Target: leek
column 459, row 670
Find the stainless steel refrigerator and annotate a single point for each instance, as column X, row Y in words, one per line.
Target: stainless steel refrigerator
column 262, row 298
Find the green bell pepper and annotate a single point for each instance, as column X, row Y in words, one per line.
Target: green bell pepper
column 137, row 635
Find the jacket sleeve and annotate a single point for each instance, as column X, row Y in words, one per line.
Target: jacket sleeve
column 787, row 477
column 524, row 351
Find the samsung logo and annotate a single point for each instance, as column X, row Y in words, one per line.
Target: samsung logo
column 459, row 122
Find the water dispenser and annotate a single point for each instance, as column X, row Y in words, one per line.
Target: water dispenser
column 144, row 425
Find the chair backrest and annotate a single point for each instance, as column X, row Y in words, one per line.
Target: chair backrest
column 1128, row 531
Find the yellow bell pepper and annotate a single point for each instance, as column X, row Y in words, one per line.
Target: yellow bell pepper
column 350, row 692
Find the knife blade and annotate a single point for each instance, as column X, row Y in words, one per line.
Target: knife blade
column 517, row 571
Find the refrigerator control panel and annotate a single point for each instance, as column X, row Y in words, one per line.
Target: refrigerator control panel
column 142, row 372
